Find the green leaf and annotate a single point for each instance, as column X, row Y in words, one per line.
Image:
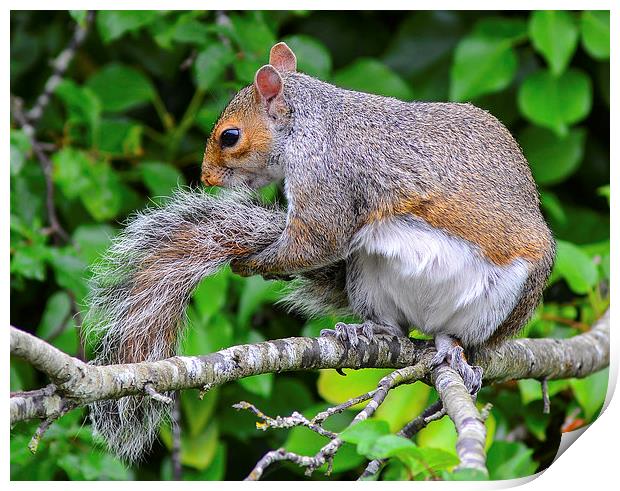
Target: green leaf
column 556, row 102
column 438, row 434
column 184, row 29
column 336, row 389
column 402, row 402
column 197, row 451
column 584, row 226
column 20, row 147
column 510, row 460
column 536, row 421
column 198, row 411
column 78, row 16
column 466, row 475
column 256, row 292
column 369, row 75
column 576, row 267
column 424, row 39
column 313, row 57
column 95, row 182
column 92, row 240
column 15, row 381
column 501, row 29
column 207, row 334
column 90, row 466
column 212, row 293
column 216, row 470
column 29, row 261
column 605, row 192
column 591, row 391
column 442, row 434
column 103, row 195
column 83, row 105
column 69, row 171
column 553, row 206
column 211, row 64
column 209, row 113
column 368, row 430
column 120, row 137
column 595, row 33
column 261, row 385
column 252, row 34
column 120, row 87
column 112, row 24
column 552, row 158
column 160, row 178
column 384, row 446
column 57, row 312
column 70, row 271
column 481, row 65
column 254, row 38
column 554, row 35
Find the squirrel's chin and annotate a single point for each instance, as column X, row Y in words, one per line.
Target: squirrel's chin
column 250, row 180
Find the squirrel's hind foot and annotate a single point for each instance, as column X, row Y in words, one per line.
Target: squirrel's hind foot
column 451, row 352
column 351, row 333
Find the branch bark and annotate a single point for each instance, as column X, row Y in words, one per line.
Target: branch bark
column 76, row 383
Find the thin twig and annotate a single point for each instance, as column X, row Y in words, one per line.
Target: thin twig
column 189, row 61
column 323, row 415
column 221, row 19
column 295, row 419
column 544, row 385
column 46, row 166
column 33, row 445
column 153, row 394
column 60, row 65
column 177, row 468
column 327, row 453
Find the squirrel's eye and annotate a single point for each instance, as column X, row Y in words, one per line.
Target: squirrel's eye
column 229, row 137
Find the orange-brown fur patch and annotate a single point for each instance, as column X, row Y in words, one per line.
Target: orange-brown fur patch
column 255, row 138
column 499, row 237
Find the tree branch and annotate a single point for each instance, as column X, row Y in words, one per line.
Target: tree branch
column 78, row 383
column 459, row 404
column 60, row 65
column 75, row 383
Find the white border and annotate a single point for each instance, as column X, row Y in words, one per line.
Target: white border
column 592, row 463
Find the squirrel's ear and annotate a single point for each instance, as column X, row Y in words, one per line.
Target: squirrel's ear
column 282, row 58
column 268, row 83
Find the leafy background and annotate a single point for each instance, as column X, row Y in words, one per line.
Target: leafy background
column 128, row 124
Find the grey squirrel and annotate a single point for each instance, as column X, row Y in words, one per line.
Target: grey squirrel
column 403, row 213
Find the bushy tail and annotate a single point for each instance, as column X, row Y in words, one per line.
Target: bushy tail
column 141, row 288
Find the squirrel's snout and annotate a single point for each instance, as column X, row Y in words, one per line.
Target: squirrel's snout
column 210, row 179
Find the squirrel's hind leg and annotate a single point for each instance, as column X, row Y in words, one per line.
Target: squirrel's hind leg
column 450, row 351
column 351, row 333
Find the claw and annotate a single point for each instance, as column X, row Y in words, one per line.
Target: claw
column 449, row 351
column 351, row 333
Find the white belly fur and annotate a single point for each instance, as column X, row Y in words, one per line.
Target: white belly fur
column 416, row 275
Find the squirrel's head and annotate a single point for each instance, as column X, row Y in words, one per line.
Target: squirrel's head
column 241, row 149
